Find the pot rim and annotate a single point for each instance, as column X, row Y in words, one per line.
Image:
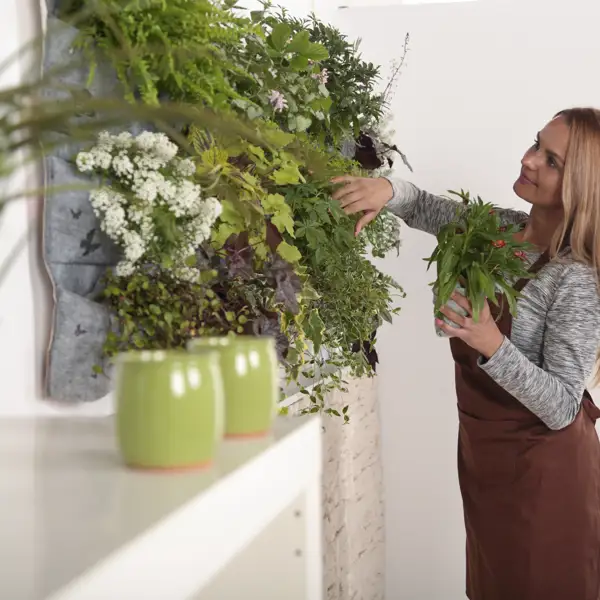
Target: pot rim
column 160, row 356
column 208, row 342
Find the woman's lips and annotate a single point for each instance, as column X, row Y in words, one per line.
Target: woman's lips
column 524, row 180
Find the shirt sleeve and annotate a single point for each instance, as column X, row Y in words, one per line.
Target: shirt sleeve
column 553, row 392
column 429, row 213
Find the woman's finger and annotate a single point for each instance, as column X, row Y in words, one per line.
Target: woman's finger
column 344, row 191
column 453, row 316
column 450, row 331
column 364, row 221
column 351, row 198
column 344, row 179
column 358, row 206
column 462, row 302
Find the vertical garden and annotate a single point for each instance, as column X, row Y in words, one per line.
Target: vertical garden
column 224, row 223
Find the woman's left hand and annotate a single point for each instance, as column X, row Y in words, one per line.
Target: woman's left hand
column 482, row 335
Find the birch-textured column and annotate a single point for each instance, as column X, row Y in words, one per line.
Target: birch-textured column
column 353, row 497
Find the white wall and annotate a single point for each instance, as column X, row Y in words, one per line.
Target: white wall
column 25, row 291
column 297, row 8
column 482, row 78
column 23, row 295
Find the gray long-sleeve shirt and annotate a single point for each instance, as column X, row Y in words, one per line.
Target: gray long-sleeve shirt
column 555, row 336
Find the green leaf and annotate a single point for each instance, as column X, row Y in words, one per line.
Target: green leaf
column 254, row 112
column 302, row 123
column 229, row 214
column 280, row 36
column 314, row 237
column 284, row 221
column 258, row 152
column 224, row 231
column 301, row 44
column 315, row 329
column 289, row 252
column 287, row 175
column 299, row 63
column 240, row 103
column 316, row 52
column 273, row 203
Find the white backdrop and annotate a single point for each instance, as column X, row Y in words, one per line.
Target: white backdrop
column 24, row 293
column 481, row 79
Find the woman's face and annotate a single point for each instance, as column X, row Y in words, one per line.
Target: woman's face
column 543, row 165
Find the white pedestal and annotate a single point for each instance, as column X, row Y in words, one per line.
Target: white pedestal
column 354, row 539
column 76, row 525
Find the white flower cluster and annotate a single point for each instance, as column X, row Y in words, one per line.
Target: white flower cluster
column 148, row 185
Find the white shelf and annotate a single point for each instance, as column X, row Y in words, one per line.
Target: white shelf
column 76, row 525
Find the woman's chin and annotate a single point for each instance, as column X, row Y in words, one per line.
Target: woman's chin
column 520, row 191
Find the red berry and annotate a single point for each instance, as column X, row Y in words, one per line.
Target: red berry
column 503, row 228
column 499, row 244
column 520, row 254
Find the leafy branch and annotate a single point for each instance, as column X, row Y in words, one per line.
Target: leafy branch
column 481, row 253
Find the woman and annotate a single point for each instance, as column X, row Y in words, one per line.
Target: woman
column 528, row 452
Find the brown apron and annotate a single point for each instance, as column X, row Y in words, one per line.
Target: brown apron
column 531, row 495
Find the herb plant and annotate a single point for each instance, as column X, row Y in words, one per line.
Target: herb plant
column 478, row 252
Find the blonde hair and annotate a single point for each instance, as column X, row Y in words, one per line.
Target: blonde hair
column 580, row 229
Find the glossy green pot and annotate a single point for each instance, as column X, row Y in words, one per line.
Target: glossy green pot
column 250, row 380
column 168, row 406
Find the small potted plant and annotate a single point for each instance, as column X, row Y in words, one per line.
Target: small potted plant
column 477, row 255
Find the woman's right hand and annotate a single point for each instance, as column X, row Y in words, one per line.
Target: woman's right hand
column 363, row 195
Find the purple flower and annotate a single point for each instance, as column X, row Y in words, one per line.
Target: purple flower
column 322, row 77
column 278, row 101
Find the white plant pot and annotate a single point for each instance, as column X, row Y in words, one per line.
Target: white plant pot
column 455, row 307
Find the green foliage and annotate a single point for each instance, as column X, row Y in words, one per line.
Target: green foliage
column 155, row 311
column 352, row 297
column 477, row 251
column 178, row 49
column 352, row 82
column 283, row 259
column 384, row 235
column 285, row 61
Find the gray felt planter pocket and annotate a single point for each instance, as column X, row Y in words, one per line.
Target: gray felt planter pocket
column 72, row 231
column 76, row 252
column 77, row 256
column 80, row 327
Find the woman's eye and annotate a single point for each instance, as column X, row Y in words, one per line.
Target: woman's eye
column 552, row 163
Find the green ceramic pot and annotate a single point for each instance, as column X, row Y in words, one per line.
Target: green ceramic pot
column 250, row 380
column 168, row 405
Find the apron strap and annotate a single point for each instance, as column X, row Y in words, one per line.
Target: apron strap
column 537, row 266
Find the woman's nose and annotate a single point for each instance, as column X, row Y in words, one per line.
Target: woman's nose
column 530, row 161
